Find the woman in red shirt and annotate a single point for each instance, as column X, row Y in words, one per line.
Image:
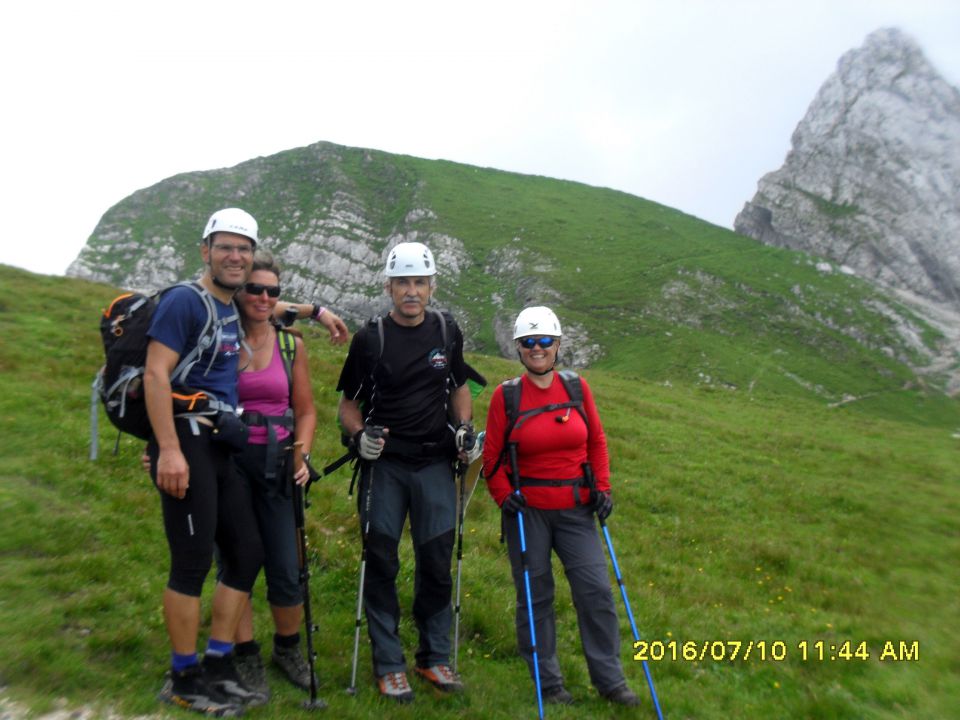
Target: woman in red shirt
column 555, row 433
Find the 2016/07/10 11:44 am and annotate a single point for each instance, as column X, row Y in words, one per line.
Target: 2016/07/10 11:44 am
column 776, row 650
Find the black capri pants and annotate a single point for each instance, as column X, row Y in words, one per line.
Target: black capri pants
column 216, row 508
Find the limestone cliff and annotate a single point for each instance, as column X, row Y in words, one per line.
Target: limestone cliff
column 872, row 181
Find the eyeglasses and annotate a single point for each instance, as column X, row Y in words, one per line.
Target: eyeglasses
column 230, row 249
column 544, row 342
column 260, row 288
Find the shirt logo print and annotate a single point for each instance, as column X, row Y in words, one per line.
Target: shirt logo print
column 437, row 359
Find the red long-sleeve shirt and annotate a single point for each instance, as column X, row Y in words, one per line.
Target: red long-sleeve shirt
column 546, row 449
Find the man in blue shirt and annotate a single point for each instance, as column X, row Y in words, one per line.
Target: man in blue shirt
column 203, row 501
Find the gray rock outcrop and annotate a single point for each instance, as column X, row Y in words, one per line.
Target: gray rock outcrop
column 330, row 215
column 872, row 181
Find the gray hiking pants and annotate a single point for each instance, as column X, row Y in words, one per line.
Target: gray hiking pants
column 428, row 494
column 573, row 535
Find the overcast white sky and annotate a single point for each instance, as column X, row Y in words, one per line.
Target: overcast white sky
column 684, row 103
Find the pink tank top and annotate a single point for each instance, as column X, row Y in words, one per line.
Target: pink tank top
column 267, row 392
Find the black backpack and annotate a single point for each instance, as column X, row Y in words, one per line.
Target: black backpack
column 511, row 390
column 511, row 401
column 119, row 383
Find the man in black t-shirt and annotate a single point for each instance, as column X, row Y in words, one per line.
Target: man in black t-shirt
column 405, row 374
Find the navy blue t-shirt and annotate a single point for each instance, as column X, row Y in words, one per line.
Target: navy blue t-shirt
column 177, row 323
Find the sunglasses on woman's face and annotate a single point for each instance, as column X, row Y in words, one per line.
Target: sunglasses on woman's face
column 259, row 288
column 544, row 342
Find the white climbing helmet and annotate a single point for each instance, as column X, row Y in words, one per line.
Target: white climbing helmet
column 537, row 320
column 408, row 259
column 232, row 220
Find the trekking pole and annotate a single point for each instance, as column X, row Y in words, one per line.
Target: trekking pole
column 515, row 472
column 591, row 481
column 462, row 471
column 299, row 502
column 374, row 431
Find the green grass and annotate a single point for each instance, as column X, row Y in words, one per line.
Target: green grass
column 739, row 516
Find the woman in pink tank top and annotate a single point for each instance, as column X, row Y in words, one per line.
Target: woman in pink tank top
column 273, row 403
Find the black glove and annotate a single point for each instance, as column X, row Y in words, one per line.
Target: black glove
column 514, row 503
column 602, row 504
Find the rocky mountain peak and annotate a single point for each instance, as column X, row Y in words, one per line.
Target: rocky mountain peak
column 872, row 180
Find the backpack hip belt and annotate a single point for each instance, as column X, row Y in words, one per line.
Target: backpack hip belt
column 212, row 408
column 271, row 422
column 573, row 483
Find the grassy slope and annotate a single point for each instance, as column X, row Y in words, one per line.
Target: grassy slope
column 738, row 517
column 670, row 296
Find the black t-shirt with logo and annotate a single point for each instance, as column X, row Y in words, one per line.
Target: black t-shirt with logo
column 407, row 388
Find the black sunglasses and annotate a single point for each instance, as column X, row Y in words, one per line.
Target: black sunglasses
column 544, row 342
column 258, row 288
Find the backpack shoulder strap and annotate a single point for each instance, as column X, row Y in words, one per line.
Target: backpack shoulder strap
column 288, row 352
column 571, row 383
column 448, row 331
column 208, row 336
column 511, row 403
column 448, row 327
column 374, row 341
column 373, row 350
column 379, row 337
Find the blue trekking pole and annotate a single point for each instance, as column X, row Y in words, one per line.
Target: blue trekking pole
column 515, row 472
column 591, row 481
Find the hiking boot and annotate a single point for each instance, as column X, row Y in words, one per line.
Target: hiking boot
column 622, row 695
column 441, row 677
column 252, row 673
column 188, row 689
column 396, row 687
column 294, row 666
column 221, row 673
column 557, row 696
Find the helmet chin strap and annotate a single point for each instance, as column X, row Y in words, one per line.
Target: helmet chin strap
column 219, row 283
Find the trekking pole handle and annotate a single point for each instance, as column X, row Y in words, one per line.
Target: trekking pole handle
column 469, row 436
column 514, row 468
column 588, row 476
